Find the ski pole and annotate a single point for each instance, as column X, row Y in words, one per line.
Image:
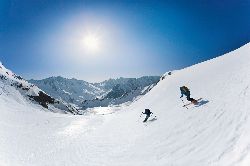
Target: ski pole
column 184, row 103
column 141, row 115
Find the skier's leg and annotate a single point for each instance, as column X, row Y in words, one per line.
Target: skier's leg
column 145, row 120
column 193, row 101
column 188, row 97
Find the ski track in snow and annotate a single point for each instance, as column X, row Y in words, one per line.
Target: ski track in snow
column 213, row 134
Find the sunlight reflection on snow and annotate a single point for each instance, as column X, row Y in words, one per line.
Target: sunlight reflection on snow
column 101, row 110
column 75, row 128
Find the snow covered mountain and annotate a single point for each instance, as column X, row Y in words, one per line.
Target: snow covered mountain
column 70, row 90
column 86, row 95
column 213, row 133
column 11, row 83
column 122, row 90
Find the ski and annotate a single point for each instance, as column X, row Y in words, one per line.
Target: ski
column 192, row 103
column 150, row 121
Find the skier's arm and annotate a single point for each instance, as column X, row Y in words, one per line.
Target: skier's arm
column 181, row 95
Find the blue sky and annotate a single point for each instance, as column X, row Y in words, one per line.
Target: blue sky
column 42, row 38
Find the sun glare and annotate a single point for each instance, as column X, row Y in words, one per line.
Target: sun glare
column 91, row 43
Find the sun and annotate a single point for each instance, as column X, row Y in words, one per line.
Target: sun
column 91, row 43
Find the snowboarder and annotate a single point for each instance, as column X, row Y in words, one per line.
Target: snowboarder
column 148, row 113
column 185, row 91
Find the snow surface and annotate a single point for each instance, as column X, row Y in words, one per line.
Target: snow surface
column 214, row 133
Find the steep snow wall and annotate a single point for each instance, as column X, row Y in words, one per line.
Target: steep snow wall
column 214, row 133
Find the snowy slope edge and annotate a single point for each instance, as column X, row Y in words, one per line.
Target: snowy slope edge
column 32, row 92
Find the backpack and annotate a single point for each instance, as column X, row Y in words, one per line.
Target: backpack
column 185, row 89
column 147, row 111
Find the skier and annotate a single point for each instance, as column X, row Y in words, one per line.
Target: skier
column 185, row 91
column 148, row 113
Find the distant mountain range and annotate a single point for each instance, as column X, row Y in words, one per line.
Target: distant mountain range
column 59, row 94
column 85, row 95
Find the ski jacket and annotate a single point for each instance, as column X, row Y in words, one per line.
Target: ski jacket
column 147, row 112
column 184, row 91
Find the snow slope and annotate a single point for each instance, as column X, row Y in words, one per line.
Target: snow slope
column 10, row 83
column 215, row 133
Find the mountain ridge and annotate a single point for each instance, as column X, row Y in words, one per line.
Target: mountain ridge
column 82, row 93
column 11, row 82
